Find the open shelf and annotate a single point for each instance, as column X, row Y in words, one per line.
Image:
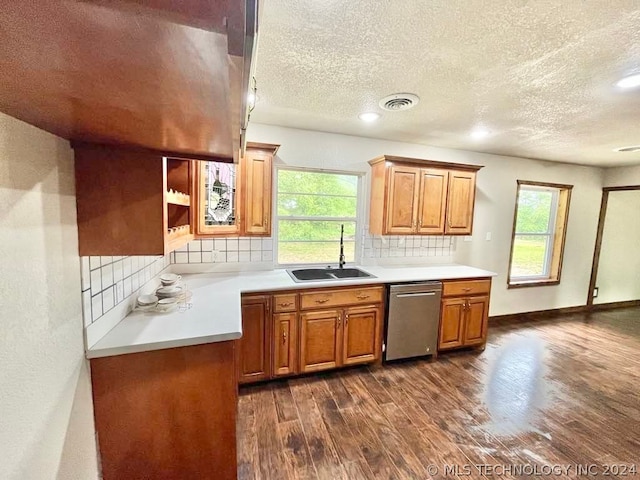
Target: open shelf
column 178, row 198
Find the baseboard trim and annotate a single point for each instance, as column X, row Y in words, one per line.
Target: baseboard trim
column 554, row 312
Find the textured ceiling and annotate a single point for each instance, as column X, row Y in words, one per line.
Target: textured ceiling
column 539, row 74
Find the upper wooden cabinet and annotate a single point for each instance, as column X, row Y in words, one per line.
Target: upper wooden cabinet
column 423, row 197
column 170, row 76
column 235, row 199
column 132, row 201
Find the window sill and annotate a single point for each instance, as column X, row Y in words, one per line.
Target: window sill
column 533, row 283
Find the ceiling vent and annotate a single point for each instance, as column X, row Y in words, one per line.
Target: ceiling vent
column 634, row 148
column 399, row 101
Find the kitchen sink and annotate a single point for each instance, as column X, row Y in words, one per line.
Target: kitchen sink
column 319, row 274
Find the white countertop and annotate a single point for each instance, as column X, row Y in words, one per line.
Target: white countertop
column 215, row 312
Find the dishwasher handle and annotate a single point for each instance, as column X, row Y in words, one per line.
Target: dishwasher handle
column 416, row 294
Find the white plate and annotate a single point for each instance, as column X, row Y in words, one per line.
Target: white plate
column 171, row 291
column 147, row 300
column 167, row 304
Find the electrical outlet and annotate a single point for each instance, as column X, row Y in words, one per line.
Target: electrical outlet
column 488, row 237
column 595, row 292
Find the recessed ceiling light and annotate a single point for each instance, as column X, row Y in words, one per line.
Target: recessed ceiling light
column 632, row 81
column 633, row 148
column 479, row 133
column 369, row 117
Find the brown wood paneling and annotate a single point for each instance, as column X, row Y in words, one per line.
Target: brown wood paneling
column 157, row 81
column 317, row 298
column 167, row 414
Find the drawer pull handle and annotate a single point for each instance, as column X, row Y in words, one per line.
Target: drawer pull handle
column 362, row 297
column 285, row 304
column 324, row 300
column 284, row 338
column 468, row 289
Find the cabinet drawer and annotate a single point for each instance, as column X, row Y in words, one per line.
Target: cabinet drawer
column 334, row 298
column 465, row 287
column 286, row 302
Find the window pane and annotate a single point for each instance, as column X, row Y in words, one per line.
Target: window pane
column 314, row 252
column 312, row 230
column 534, row 211
column 529, row 255
column 315, row 206
column 295, row 181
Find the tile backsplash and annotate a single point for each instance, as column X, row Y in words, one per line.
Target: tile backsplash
column 225, row 250
column 406, row 246
column 108, row 281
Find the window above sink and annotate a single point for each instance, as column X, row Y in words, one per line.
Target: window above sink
column 311, row 206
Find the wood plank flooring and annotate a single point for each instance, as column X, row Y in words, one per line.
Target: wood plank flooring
column 545, row 394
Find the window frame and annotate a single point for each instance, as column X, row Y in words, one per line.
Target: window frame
column 277, row 217
column 555, row 234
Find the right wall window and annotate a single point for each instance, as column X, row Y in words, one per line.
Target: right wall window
column 539, row 231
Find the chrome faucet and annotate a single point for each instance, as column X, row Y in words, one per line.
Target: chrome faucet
column 341, row 261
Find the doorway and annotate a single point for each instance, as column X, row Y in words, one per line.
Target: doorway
column 615, row 272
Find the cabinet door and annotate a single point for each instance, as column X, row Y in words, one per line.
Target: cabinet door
column 254, row 345
column 402, row 200
column 361, row 335
column 451, row 323
column 476, row 318
column 433, row 200
column 460, row 199
column 285, row 326
column 320, row 335
column 256, row 186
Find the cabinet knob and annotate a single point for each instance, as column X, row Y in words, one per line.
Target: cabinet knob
column 346, row 319
column 339, row 320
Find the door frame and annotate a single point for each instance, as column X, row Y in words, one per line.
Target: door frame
column 599, row 236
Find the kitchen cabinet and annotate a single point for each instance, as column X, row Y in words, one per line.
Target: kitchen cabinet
column 464, row 314
column 133, row 72
column 361, row 335
column 132, row 201
column 320, row 335
column 235, row 200
column 421, row 197
column 254, row 348
column 167, row 414
column 312, row 330
column 285, row 344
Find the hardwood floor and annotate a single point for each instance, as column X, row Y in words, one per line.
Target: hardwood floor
column 545, row 394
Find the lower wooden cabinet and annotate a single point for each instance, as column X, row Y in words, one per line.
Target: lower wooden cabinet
column 320, row 334
column 361, row 335
column 167, row 414
column 254, row 350
column 312, row 337
column 464, row 319
column 285, row 344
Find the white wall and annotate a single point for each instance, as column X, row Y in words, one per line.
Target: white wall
column 619, row 268
column 622, row 176
column 46, row 415
column 495, row 204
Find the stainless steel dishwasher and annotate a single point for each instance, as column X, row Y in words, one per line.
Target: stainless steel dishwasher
column 412, row 323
